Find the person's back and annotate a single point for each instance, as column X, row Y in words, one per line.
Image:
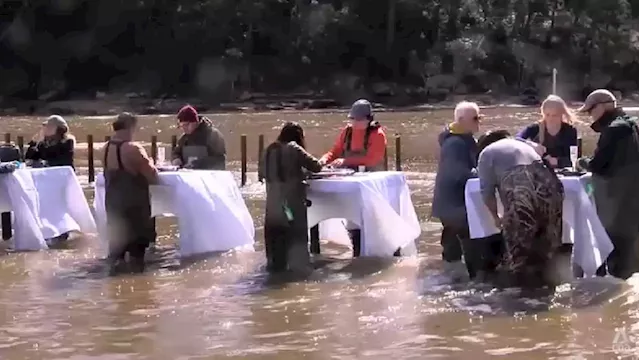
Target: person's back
column 128, row 172
column 506, row 154
column 286, row 230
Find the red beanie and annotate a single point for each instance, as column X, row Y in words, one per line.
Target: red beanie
column 187, row 114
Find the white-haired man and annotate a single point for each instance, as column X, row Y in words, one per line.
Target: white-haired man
column 458, row 159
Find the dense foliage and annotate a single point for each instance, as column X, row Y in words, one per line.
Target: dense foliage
column 224, row 48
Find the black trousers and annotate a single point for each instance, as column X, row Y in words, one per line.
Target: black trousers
column 623, row 260
column 451, row 241
column 276, row 245
column 130, row 231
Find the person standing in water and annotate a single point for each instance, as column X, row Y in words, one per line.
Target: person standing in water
column 362, row 143
column 555, row 132
column 614, row 165
column 532, row 197
column 457, row 163
column 128, row 172
column 202, row 145
column 285, row 225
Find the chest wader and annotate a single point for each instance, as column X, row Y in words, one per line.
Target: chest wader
column 276, row 233
column 356, row 234
column 129, row 223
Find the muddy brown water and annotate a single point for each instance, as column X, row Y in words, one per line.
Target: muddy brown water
column 59, row 304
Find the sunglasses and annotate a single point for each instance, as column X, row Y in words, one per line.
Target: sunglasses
column 590, row 110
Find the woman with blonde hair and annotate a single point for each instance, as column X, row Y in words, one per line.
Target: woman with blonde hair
column 555, row 132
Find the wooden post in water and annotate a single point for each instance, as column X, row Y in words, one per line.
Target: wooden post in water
column 260, row 153
column 386, row 159
column 398, row 154
column 314, row 239
column 154, row 148
column 90, row 165
column 5, row 217
column 174, row 142
column 21, row 146
column 243, row 159
column 579, row 147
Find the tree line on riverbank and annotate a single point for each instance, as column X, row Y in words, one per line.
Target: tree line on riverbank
column 399, row 51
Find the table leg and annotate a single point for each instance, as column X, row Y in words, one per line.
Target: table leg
column 314, row 239
column 6, row 225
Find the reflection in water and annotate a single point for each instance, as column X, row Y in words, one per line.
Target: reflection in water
column 60, row 304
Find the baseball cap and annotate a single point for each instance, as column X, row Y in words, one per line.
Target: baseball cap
column 361, row 109
column 600, row 96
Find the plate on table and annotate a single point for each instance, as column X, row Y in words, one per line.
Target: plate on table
column 570, row 172
column 164, row 168
column 331, row 173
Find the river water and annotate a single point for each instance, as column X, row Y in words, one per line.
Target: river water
column 60, row 304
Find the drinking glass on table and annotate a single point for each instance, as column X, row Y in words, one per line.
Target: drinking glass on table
column 573, row 155
column 162, row 156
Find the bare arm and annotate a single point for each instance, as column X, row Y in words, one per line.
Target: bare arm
column 144, row 164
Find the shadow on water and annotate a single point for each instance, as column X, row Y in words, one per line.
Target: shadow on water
column 326, row 270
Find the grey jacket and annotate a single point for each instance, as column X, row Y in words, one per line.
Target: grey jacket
column 206, row 145
column 458, row 159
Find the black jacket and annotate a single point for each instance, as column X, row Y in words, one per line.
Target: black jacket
column 59, row 153
column 614, row 166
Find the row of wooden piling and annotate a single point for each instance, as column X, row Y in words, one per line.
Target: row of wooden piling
column 174, row 140
column 315, row 245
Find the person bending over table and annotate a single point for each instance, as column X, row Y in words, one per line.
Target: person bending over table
column 202, row 145
column 614, row 166
column 555, row 132
column 532, row 197
column 53, row 145
column 362, row 143
column 128, row 172
column 286, row 237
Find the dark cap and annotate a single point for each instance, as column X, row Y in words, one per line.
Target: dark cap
column 361, row 110
column 188, row 114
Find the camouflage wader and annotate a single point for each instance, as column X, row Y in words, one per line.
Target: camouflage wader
column 532, row 222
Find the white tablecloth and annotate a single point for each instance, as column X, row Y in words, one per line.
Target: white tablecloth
column 581, row 225
column 46, row 203
column 211, row 212
column 378, row 202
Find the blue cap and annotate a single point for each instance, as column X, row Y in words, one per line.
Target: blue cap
column 360, row 110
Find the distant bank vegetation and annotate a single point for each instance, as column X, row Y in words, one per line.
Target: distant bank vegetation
column 396, row 51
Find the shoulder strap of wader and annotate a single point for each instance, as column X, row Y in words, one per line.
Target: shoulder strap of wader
column 118, row 145
column 348, row 134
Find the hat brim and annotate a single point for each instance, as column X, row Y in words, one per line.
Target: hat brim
column 584, row 108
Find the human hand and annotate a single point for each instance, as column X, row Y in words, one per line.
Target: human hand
column 337, row 162
column 498, row 221
column 323, row 161
column 553, row 161
column 39, row 136
column 540, row 149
